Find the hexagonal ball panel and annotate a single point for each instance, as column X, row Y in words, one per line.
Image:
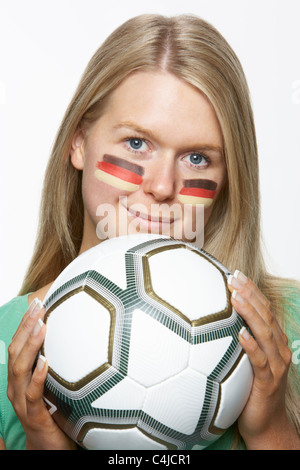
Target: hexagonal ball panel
column 80, row 327
column 179, row 270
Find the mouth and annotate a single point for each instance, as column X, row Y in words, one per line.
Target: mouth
column 148, row 221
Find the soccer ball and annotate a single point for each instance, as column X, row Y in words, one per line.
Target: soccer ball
column 142, row 345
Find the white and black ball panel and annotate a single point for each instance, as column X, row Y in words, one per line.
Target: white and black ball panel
column 178, row 401
column 234, row 393
column 130, row 438
column 205, row 356
column 81, row 327
column 150, row 341
column 196, row 273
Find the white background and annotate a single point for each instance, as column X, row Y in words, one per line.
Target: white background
column 44, row 48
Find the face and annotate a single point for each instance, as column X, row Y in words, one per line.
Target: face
column 153, row 162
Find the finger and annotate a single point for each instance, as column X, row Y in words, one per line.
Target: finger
column 261, row 331
column 32, row 310
column 249, row 291
column 35, row 389
column 257, row 357
column 21, row 371
column 27, row 313
column 238, row 280
column 253, row 295
column 24, row 330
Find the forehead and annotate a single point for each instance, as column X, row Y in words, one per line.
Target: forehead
column 165, row 104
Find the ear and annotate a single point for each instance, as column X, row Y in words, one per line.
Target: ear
column 77, row 150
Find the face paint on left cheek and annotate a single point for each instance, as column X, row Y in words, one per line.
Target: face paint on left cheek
column 119, row 173
column 198, row 192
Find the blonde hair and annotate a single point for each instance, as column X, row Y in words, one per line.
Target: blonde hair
column 196, row 52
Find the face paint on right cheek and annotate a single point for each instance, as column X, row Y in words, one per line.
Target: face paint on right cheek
column 119, row 173
column 198, row 191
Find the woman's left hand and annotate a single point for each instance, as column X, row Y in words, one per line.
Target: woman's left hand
column 263, row 423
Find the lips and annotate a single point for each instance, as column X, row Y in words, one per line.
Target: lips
column 150, row 218
column 119, row 173
column 198, row 192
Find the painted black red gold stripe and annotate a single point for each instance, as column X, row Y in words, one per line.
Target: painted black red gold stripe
column 198, row 191
column 119, row 173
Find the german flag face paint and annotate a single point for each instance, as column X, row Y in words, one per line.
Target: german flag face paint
column 198, row 192
column 119, row 173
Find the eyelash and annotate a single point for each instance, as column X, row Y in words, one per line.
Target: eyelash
column 138, row 152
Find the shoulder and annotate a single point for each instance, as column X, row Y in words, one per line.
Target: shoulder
column 291, row 305
column 291, row 302
column 40, row 294
column 11, row 314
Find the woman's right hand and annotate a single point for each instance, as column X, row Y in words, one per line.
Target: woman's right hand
column 25, row 386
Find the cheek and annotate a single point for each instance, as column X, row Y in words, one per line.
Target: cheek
column 198, row 191
column 95, row 192
column 119, row 173
column 113, row 180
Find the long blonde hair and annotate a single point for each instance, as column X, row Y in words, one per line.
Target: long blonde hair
column 194, row 51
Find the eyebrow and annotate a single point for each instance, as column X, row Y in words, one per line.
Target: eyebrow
column 134, row 127
column 149, row 134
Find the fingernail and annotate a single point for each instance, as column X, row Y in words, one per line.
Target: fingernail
column 32, row 305
column 240, row 276
column 244, row 333
column 35, row 306
column 37, row 327
column 236, row 296
column 41, row 362
column 232, row 281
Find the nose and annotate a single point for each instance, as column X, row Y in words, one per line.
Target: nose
column 160, row 179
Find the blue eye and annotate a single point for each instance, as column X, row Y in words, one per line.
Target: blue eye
column 136, row 143
column 196, row 159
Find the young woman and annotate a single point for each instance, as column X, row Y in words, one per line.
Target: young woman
column 173, row 102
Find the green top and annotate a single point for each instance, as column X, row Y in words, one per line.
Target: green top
column 11, row 430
